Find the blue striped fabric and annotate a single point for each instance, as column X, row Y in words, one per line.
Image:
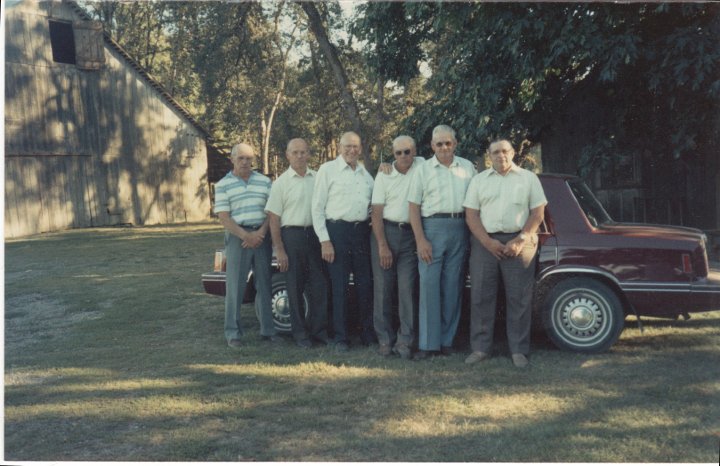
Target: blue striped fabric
column 245, row 201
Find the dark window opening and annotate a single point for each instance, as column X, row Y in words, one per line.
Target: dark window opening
column 63, row 42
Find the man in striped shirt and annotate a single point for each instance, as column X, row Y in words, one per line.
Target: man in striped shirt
column 240, row 199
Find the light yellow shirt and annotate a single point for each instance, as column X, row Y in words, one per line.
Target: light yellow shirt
column 291, row 198
column 505, row 201
column 340, row 193
column 391, row 192
column 440, row 189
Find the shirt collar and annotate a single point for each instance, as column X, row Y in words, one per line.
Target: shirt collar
column 308, row 172
column 435, row 162
column 513, row 169
column 342, row 164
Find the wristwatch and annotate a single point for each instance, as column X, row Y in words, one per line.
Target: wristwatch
column 523, row 236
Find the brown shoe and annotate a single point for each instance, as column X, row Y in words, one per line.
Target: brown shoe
column 384, row 350
column 235, row 343
column 520, row 360
column 403, row 351
column 476, row 356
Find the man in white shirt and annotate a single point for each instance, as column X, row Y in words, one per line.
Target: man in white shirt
column 340, row 205
column 297, row 247
column 394, row 259
column 436, row 214
column 504, row 207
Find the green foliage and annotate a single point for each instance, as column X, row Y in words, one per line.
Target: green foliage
column 508, row 69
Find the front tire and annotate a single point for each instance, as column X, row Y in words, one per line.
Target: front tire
column 582, row 315
column 280, row 304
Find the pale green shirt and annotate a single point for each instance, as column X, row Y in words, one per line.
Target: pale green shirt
column 505, row 202
column 440, row 189
column 391, row 192
column 291, row 198
column 340, row 193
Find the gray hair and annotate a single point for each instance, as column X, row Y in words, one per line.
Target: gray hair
column 443, row 129
column 403, row 137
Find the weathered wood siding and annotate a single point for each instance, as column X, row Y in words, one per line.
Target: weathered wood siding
column 91, row 148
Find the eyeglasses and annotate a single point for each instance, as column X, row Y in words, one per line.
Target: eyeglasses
column 444, row 143
column 403, row 152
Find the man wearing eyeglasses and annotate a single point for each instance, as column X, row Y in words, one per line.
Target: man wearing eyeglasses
column 505, row 205
column 340, row 206
column 437, row 217
column 392, row 246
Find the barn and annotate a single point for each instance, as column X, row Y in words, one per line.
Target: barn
column 91, row 139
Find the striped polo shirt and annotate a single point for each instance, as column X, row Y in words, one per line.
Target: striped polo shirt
column 245, row 201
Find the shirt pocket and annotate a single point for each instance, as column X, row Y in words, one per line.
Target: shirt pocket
column 519, row 195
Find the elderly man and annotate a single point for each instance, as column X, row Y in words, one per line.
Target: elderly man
column 297, row 247
column 436, row 213
column 240, row 199
column 394, row 260
column 504, row 207
column 340, row 205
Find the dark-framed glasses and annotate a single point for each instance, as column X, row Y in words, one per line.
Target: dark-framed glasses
column 403, row 152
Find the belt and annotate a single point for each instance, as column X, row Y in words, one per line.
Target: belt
column 345, row 222
column 447, row 215
column 503, row 233
column 297, row 227
column 250, row 227
column 401, row 225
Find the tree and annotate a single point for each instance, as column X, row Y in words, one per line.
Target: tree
column 507, row 69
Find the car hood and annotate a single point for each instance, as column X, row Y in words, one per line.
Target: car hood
column 654, row 231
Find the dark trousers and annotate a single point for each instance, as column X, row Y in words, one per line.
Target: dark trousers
column 518, row 274
column 306, row 275
column 351, row 241
column 400, row 280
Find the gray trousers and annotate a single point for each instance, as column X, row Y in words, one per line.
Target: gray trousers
column 402, row 280
column 518, row 276
column 239, row 263
column 306, row 275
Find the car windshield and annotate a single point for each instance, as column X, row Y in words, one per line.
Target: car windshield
column 594, row 211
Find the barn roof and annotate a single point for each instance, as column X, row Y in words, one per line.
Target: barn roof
column 144, row 73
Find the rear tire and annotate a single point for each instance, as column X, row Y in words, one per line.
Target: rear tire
column 582, row 315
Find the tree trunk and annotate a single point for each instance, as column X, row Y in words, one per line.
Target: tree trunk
column 347, row 101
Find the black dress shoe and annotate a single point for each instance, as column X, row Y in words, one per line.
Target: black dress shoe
column 447, row 350
column 420, row 355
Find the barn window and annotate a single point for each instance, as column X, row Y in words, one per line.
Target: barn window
column 62, row 42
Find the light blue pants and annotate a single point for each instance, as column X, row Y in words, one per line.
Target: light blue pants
column 239, row 263
column 441, row 282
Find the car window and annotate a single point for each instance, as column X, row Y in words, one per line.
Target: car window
column 589, row 204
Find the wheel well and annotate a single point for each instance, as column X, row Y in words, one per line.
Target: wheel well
column 546, row 284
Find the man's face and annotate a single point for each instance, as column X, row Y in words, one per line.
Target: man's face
column 297, row 154
column 350, row 148
column 243, row 160
column 404, row 152
column 501, row 156
column 443, row 144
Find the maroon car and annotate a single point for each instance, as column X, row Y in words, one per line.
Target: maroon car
column 592, row 271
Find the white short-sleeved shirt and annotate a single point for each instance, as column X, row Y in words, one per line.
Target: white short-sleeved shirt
column 340, row 193
column 505, row 201
column 245, row 201
column 440, row 189
column 391, row 192
column 291, row 198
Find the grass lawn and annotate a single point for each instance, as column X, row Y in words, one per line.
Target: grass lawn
column 114, row 352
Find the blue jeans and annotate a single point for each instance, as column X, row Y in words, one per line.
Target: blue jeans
column 441, row 282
